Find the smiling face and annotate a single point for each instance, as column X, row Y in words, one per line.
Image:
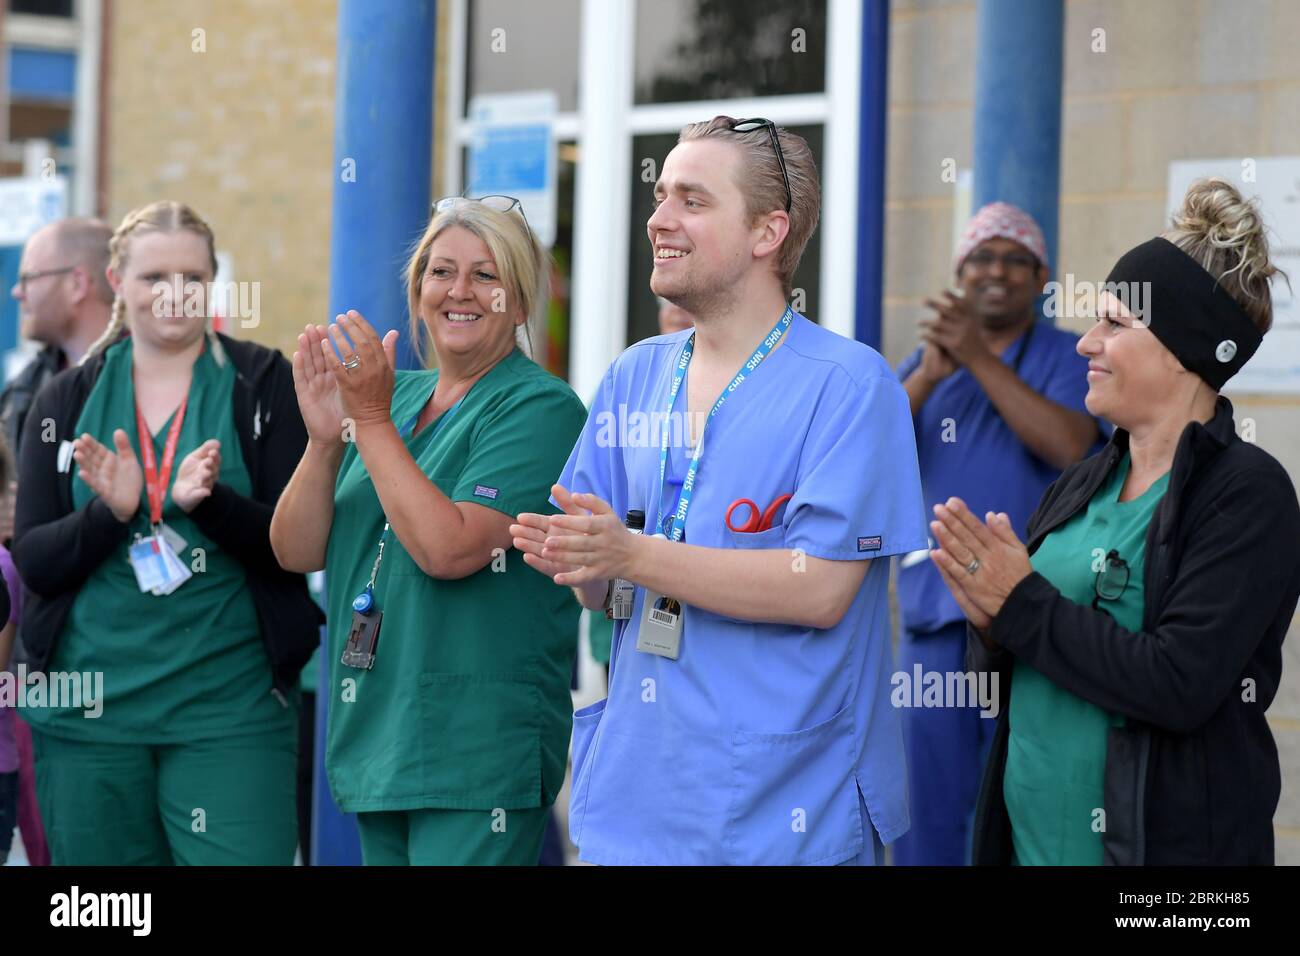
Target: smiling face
column 1001, row 279
column 702, row 240
column 463, row 302
column 1132, row 377
column 156, row 262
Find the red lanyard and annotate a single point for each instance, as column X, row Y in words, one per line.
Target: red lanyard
column 155, row 481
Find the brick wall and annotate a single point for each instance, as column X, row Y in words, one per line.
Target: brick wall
column 243, row 132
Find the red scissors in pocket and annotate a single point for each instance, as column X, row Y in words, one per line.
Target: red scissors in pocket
column 758, row 520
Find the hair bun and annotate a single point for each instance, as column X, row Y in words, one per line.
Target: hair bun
column 1216, row 209
column 1224, row 231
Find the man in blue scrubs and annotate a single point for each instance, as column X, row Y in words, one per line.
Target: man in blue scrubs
column 997, row 398
column 748, row 718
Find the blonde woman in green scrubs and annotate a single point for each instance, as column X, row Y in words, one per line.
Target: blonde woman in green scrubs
column 450, row 712
column 188, row 755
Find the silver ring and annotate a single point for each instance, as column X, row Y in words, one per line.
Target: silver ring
column 973, row 566
column 352, row 362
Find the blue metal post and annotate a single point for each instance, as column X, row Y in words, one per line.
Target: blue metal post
column 873, row 112
column 1018, row 77
column 383, row 149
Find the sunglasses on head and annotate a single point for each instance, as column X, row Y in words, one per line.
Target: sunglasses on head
column 497, row 202
column 748, row 126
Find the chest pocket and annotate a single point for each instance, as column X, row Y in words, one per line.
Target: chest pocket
column 773, row 537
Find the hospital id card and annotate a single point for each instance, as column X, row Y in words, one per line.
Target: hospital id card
column 177, row 572
column 173, row 538
column 149, row 563
column 157, row 569
column 661, row 626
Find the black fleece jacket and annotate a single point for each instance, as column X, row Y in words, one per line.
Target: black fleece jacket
column 57, row 547
column 1193, row 775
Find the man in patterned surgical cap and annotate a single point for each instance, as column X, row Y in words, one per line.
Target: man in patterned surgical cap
column 997, row 400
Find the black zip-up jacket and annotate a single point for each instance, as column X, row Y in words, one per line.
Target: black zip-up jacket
column 1193, row 775
column 57, row 547
column 16, row 399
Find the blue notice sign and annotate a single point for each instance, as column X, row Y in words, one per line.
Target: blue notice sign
column 510, row 160
column 512, row 152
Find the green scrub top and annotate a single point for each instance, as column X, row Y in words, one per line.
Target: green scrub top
column 1056, row 756
column 180, row 667
column 467, row 706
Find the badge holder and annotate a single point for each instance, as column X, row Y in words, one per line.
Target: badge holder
column 363, row 638
column 660, row 632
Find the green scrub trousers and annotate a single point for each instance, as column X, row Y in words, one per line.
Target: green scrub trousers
column 228, row 801
column 452, row 837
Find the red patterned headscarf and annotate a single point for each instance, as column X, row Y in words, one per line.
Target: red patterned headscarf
column 1000, row 220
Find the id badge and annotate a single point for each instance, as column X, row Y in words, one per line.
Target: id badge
column 177, row 572
column 149, row 563
column 661, row 626
column 173, row 538
column 622, row 601
column 362, row 640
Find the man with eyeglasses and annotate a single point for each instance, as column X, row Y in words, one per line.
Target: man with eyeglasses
column 997, row 401
column 748, row 719
column 64, row 301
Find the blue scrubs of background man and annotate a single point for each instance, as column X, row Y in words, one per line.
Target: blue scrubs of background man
column 770, row 738
column 998, row 402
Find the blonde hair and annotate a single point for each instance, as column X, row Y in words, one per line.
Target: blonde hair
column 1224, row 233
column 522, row 263
column 763, row 186
column 163, row 216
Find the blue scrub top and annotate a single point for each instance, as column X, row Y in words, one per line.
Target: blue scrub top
column 752, row 747
column 982, row 461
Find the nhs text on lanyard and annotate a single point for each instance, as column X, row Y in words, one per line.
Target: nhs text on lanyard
column 678, row 529
column 660, row 632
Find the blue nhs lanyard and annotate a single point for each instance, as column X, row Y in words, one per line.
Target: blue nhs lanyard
column 678, row 529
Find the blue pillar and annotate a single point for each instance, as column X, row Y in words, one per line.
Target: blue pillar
column 383, row 139
column 873, row 113
column 383, row 149
column 1018, row 75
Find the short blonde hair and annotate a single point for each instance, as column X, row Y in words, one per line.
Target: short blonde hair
column 522, row 263
column 763, row 186
column 1224, row 233
column 166, row 215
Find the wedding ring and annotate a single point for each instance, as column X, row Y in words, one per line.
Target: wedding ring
column 352, row 362
column 973, row 566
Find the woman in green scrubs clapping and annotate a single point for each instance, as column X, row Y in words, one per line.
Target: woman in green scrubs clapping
column 142, row 533
column 450, row 658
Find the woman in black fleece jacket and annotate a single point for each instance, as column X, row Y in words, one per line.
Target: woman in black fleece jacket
column 1138, row 637
column 191, row 756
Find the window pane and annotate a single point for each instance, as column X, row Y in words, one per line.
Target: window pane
column 721, row 49
column 52, row 121
column 517, row 45
column 642, row 305
column 45, row 8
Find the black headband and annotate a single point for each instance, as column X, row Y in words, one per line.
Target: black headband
column 1186, row 308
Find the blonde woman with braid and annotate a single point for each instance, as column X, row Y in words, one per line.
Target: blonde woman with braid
column 167, row 437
